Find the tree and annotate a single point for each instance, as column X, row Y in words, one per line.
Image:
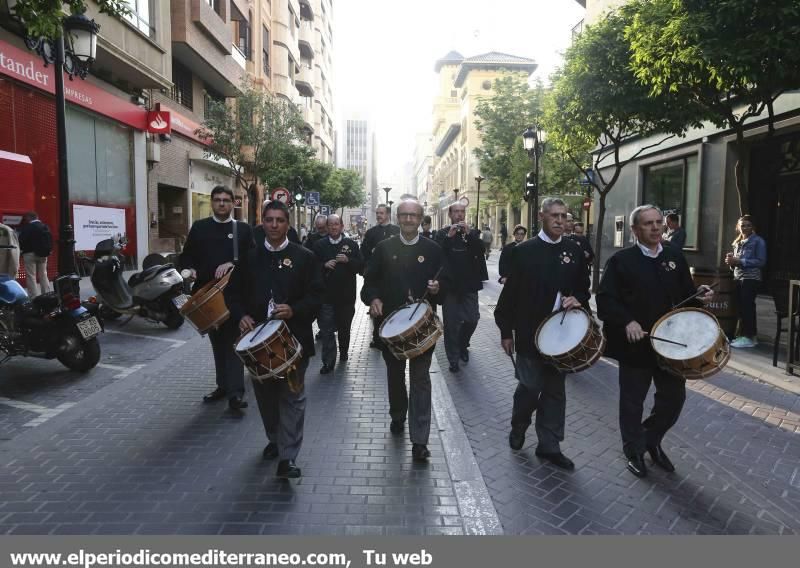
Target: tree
column 42, row 18
column 597, row 105
column 346, row 187
column 733, row 58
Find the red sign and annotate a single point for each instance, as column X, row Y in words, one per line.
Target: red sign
column 237, row 202
column 281, row 194
column 159, row 122
column 587, row 203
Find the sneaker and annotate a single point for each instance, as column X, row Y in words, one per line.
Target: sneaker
column 742, row 343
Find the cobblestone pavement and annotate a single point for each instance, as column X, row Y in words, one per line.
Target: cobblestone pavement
column 144, row 456
column 736, row 449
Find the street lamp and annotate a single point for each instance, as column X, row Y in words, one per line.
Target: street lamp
column 478, row 179
column 533, row 140
column 455, row 195
column 73, row 51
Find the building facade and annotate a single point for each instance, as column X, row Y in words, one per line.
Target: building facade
column 355, row 150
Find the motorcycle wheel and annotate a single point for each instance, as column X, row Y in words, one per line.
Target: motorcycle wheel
column 174, row 320
column 108, row 313
column 81, row 355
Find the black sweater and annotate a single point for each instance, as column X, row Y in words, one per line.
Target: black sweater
column 291, row 276
column 374, row 235
column 504, row 265
column 538, row 271
column 638, row 288
column 395, row 268
column 340, row 283
column 210, row 244
column 466, row 260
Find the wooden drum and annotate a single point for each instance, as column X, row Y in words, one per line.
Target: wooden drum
column 707, row 349
column 206, row 309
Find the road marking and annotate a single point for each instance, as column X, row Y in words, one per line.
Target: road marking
column 44, row 413
column 123, row 371
column 175, row 342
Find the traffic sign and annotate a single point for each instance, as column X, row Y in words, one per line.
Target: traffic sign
column 312, row 198
column 281, row 194
column 324, row 210
column 587, row 203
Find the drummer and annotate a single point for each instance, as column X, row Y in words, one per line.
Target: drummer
column 546, row 273
column 398, row 268
column 210, row 252
column 640, row 284
column 283, row 280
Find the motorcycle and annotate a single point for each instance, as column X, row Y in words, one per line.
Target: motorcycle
column 53, row 325
column 156, row 293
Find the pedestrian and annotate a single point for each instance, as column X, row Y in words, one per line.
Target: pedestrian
column 9, row 257
column 487, row 238
column 374, row 235
column 547, row 274
column 283, row 281
column 398, row 267
column 640, row 284
column 505, row 255
column 303, row 233
column 747, row 261
column 35, row 244
column 426, row 227
column 583, row 241
column 579, row 229
column 213, row 248
column 464, row 254
column 676, row 235
column 341, row 261
column 503, row 235
column 320, row 231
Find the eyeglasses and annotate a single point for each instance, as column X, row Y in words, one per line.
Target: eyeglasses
column 409, row 215
column 226, row 201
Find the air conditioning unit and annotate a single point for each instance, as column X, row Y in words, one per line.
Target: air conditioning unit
column 153, row 151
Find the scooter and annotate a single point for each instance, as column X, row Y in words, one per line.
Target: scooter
column 55, row 325
column 156, row 293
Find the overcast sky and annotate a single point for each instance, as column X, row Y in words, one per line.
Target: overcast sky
column 384, row 53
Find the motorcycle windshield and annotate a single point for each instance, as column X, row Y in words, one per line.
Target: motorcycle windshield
column 11, row 292
column 108, row 283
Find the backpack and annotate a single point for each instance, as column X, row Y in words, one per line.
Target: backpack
column 45, row 245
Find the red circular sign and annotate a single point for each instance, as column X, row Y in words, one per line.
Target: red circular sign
column 281, row 194
column 587, row 203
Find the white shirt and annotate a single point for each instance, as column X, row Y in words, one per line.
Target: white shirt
column 411, row 242
column 283, row 245
column 542, row 235
column 647, row 252
column 228, row 220
column 337, row 241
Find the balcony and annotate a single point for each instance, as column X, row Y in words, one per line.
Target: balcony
column 308, row 117
column 306, row 10
column 283, row 37
column 306, row 40
column 304, row 81
column 211, row 23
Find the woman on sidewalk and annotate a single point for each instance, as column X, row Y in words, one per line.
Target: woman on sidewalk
column 748, row 258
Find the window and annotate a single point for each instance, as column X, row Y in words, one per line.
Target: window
column 214, row 4
column 182, row 91
column 243, row 37
column 139, row 16
column 265, row 49
column 674, row 186
column 211, row 96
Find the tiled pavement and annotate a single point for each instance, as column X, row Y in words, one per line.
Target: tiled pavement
column 736, row 449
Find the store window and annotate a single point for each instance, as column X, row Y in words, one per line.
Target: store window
column 182, row 89
column 674, row 187
column 201, row 206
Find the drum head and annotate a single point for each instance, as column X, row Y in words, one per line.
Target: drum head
column 398, row 322
column 694, row 328
column 249, row 341
column 556, row 338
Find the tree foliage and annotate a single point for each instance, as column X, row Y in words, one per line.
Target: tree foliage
column 42, row 18
column 733, row 58
column 597, row 105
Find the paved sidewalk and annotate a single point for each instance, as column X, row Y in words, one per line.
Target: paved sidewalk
column 144, row 456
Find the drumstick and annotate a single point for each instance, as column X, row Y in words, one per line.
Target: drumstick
column 513, row 363
column 425, row 295
column 693, row 296
column 263, row 325
column 665, row 340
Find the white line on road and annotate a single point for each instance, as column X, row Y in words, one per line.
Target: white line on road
column 123, row 371
column 175, row 342
column 44, row 413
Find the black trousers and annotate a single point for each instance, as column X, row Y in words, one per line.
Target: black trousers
column 634, row 382
column 416, row 404
column 335, row 320
column 747, row 290
column 229, row 368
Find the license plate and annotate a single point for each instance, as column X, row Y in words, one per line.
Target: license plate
column 89, row 328
column 179, row 301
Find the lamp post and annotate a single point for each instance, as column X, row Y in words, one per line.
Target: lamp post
column 455, row 194
column 73, row 51
column 388, row 203
column 533, row 140
column 478, row 179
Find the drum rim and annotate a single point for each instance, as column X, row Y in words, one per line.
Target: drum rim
column 553, row 315
column 679, row 310
column 255, row 328
column 429, row 309
column 202, row 296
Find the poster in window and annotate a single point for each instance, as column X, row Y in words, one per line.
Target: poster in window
column 94, row 224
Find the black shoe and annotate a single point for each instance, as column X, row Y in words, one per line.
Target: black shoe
column 236, row 403
column 420, row 452
column 318, row 336
column 636, row 466
column 397, row 426
column 325, row 370
column 660, row 458
column 374, row 345
column 557, row 459
column 270, row 452
column 454, row 368
column 516, row 438
column 343, row 357
column 217, row 394
column 465, row 356
column 288, row 470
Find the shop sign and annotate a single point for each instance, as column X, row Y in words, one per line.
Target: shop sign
column 159, row 122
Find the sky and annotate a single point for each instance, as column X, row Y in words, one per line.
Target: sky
column 385, row 51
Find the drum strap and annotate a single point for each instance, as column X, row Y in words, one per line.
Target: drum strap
column 235, row 242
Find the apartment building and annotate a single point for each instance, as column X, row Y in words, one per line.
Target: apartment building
column 355, row 150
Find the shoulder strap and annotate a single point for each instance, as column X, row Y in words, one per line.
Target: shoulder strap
column 235, row 242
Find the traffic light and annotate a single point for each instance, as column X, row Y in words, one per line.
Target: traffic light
column 299, row 198
column 530, row 186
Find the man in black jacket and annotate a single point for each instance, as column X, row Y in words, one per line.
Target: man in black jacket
column 341, row 261
column 504, row 266
column 676, row 235
column 374, row 235
column 547, row 273
column 581, row 239
column 212, row 249
column 463, row 249
column 35, row 244
column 320, row 232
column 640, row 284
column 403, row 265
column 282, row 280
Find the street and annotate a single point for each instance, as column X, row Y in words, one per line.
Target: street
column 129, row 449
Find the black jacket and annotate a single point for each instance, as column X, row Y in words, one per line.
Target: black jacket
column 466, row 260
column 539, row 271
column 291, row 276
column 35, row 237
column 210, row 244
column 504, row 265
column 374, row 235
column 312, row 239
column 340, row 283
column 586, row 246
column 635, row 287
